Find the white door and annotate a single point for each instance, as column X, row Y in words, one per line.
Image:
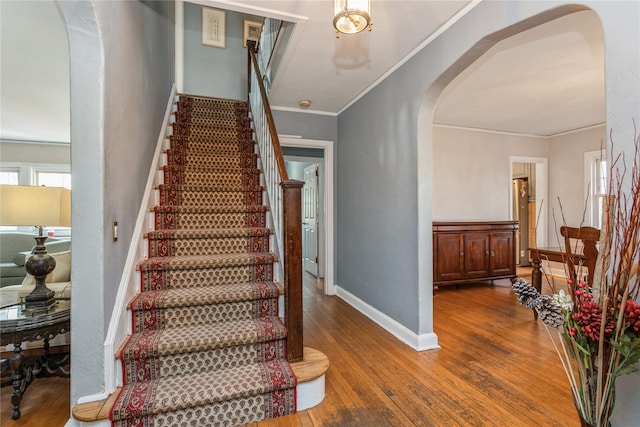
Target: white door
column 310, row 220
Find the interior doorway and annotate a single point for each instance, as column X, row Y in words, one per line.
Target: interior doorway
column 528, row 201
column 296, row 149
column 310, row 220
column 308, row 170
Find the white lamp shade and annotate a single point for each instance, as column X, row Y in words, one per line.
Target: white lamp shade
column 351, row 16
column 35, row 206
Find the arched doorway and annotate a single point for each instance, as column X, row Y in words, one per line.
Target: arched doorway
column 427, row 140
column 88, row 320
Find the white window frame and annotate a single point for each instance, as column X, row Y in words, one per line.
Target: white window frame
column 592, row 160
column 27, row 175
column 11, row 170
column 28, row 171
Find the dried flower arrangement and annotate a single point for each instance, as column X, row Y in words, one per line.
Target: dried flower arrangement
column 596, row 330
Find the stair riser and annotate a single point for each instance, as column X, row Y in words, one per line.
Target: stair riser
column 212, row 246
column 170, row 220
column 202, row 131
column 149, row 348
column 249, row 178
column 171, row 197
column 237, row 162
column 231, row 122
column 183, row 115
column 204, row 146
column 202, row 104
column 194, row 362
column 236, row 412
column 154, row 280
column 148, row 320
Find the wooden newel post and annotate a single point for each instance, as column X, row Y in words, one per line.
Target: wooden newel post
column 292, row 228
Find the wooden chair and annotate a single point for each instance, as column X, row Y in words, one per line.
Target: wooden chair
column 576, row 259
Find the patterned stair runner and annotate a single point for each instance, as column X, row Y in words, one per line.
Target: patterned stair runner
column 208, row 347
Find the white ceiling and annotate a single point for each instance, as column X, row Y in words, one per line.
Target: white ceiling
column 544, row 81
column 34, row 72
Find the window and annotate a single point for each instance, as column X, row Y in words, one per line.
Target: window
column 9, row 176
column 36, row 174
column 53, row 179
column 596, row 184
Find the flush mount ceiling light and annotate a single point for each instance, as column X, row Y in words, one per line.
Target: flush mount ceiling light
column 304, row 103
column 351, row 16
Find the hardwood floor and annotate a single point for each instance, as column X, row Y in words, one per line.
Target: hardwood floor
column 495, row 367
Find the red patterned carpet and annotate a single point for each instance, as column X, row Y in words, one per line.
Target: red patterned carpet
column 208, row 347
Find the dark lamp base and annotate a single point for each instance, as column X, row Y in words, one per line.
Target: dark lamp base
column 39, row 265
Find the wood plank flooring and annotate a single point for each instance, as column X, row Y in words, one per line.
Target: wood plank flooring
column 495, row 367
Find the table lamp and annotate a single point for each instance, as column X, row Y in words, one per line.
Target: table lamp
column 39, row 207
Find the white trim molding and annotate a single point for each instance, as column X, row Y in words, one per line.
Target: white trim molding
column 120, row 324
column 327, row 146
column 428, row 341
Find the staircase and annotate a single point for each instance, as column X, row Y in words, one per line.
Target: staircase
column 208, row 346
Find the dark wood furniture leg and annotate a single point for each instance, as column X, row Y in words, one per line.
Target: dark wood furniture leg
column 536, row 280
column 18, row 379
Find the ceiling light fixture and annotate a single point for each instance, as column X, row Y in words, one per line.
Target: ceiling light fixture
column 351, row 16
column 304, row 103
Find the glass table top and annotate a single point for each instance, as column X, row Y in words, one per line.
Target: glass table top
column 18, row 317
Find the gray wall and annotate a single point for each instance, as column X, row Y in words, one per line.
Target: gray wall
column 306, row 125
column 212, row 71
column 122, row 62
column 30, row 152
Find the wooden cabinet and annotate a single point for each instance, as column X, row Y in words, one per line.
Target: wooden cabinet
column 473, row 251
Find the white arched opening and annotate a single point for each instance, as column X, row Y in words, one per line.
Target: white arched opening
column 425, row 146
column 87, row 169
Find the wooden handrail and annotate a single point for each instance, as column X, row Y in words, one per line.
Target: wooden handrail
column 282, row 168
column 285, row 199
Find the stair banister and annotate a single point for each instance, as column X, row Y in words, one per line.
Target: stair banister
column 285, row 203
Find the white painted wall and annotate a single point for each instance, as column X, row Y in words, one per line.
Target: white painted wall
column 45, row 153
column 566, row 176
column 471, row 172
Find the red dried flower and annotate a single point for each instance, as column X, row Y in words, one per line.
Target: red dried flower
column 632, row 313
column 589, row 317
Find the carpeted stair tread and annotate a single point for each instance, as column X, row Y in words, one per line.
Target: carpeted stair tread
column 238, row 160
column 204, row 295
column 202, row 337
column 203, row 389
column 186, row 242
column 217, row 178
column 206, row 145
column 202, row 261
column 211, row 209
column 209, row 233
column 205, row 168
column 212, row 189
column 231, row 156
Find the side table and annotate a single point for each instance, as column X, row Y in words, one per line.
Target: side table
column 18, row 324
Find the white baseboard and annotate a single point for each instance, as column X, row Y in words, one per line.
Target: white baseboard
column 428, row 341
column 75, row 423
column 309, row 394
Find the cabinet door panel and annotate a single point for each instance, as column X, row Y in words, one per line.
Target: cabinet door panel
column 449, row 260
column 502, row 260
column 475, row 255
